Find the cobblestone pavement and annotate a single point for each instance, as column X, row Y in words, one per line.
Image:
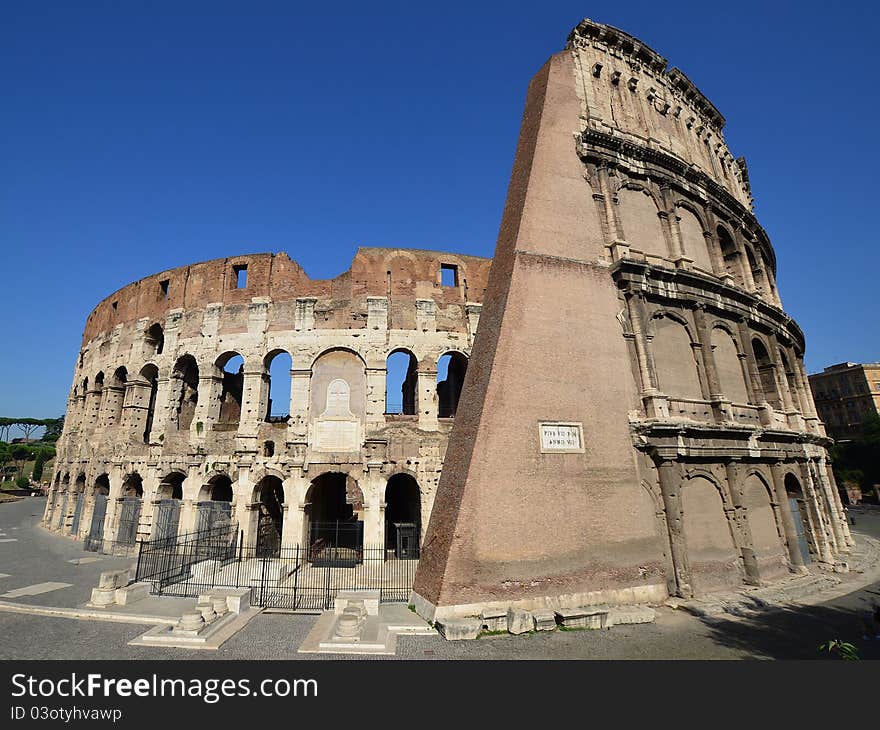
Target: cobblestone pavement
column 791, row 632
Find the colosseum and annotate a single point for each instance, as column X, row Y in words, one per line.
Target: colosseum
column 635, row 422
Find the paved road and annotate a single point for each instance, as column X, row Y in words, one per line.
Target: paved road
column 31, row 556
column 790, row 634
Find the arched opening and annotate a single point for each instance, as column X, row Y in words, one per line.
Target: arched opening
column 278, row 366
column 338, row 401
column 150, row 376
column 154, row 339
column 215, row 503
column 231, row 370
column 798, row 507
column 403, row 517
column 334, row 506
column 451, row 369
column 130, row 509
column 116, row 396
column 766, row 374
column 401, row 383
column 169, row 494
column 731, row 256
column 710, row 548
column 270, row 521
column 185, row 378
column 100, row 492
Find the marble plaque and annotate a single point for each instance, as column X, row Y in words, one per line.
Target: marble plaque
column 561, row 438
column 337, row 435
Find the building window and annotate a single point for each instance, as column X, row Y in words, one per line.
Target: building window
column 240, row 271
column 163, row 289
column 449, row 274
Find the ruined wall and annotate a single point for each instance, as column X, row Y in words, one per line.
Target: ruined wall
column 174, row 378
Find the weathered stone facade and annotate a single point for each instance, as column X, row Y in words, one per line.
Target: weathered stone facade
column 633, row 348
column 153, row 415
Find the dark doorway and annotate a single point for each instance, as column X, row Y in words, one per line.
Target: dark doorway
column 403, row 517
column 271, row 517
column 798, row 508
column 335, row 530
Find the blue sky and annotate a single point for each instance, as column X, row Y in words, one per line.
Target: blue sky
column 139, row 136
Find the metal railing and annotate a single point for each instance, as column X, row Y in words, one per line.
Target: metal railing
column 295, row 579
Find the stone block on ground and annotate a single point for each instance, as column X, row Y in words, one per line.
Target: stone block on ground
column 619, row 615
column 545, row 620
column 589, row 617
column 456, row 629
column 519, row 621
column 126, row 595
column 494, row 620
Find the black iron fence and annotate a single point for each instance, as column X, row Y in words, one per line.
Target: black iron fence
column 290, row 580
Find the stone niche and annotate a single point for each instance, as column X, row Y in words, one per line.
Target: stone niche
column 337, row 429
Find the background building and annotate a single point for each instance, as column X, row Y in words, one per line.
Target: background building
column 845, row 395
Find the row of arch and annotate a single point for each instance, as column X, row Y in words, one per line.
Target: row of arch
column 103, row 402
column 744, row 375
column 714, row 249
column 333, row 510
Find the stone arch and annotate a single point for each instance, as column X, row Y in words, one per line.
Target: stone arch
column 149, row 381
column 766, row 373
column 403, row 516
column 268, row 494
column 640, row 217
column 229, row 369
column 693, row 237
column 276, row 387
column 711, row 550
column 338, row 401
column 730, row 255
column 797, row 505
column 215, row 502
column 166, row 520
column 185, row 379
column 401, row 382
column 451, row 370
column 115, row 396
column 334, row 528
column 767, row 541
column 154, row 339
column 728, row 365
column 757, row 271
column 673, row 354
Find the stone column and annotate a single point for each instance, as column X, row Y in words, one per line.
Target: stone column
column 753, row 380
column 779, row 375
column 376, row 379
column 373, row 488
column 426, row 396
column 743, row 540
column 834, row 515
column 300, row 395
column 617, row 239
column 705, row 338
column 819, row 528
column 828, row 473
column 791, row 540
column 252, row 407
column 670, row 488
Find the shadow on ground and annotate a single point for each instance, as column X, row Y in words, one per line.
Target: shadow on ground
column 797, row 631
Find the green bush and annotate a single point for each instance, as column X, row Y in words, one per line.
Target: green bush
column 22, row 482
